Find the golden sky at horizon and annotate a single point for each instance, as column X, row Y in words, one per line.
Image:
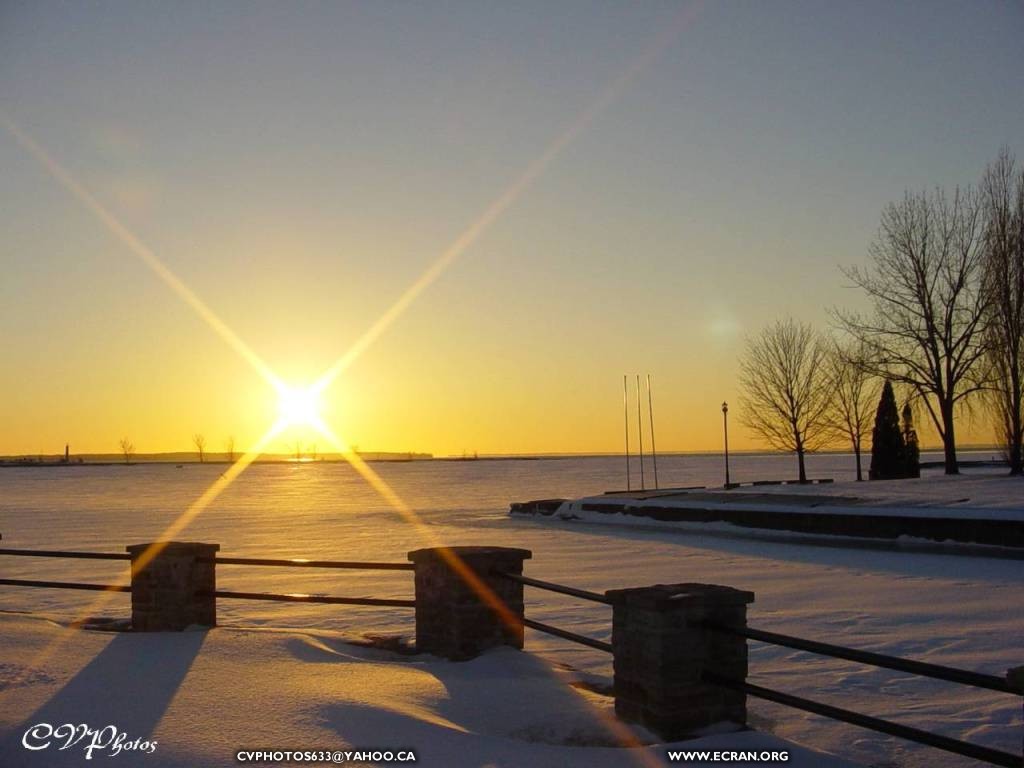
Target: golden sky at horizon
column 636, row 203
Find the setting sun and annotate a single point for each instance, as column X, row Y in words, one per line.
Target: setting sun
column 299, row 406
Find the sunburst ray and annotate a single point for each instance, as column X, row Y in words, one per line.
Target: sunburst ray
column 140, row 250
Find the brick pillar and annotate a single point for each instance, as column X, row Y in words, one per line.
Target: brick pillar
column 164, row 590
column 452, row 620
column 660, row 652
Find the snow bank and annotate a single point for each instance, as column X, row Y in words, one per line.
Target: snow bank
column 984, row 510
column 981, row 497
column 991, row 490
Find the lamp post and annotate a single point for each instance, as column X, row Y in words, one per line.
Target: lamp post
column 725, row 428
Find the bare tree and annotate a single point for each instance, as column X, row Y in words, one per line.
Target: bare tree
column 200, row 443
column 926, row 326
column 1002, row 190
column 855, row 394
column 127, row 449
column 786, row 390
column 229, row 446
column 298, row 450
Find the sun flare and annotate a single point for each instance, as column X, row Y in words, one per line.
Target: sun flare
column 299, row 406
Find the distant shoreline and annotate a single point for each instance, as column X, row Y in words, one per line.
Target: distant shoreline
column 180, row 459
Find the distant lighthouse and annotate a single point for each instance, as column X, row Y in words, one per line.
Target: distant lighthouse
column 67, row 453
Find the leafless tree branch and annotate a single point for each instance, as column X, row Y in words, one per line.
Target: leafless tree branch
column 786, row 388
column 1002, row 190
column 928, row 321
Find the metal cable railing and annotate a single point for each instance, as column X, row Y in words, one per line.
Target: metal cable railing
column 303, row 563
column 304, row 598
column 61, row 553
column 559, row 588
column 65, row 585
column 274, row 562
column 966, row 749
column 567, row 635
column 925, row 669
column 921, row 668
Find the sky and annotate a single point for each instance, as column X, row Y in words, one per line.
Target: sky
column 644, row 186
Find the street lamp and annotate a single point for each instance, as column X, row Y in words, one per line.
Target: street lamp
column 725, row 428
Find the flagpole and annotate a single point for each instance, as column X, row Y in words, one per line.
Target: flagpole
column 650, row 411
column 625, row 408
column 640, row 433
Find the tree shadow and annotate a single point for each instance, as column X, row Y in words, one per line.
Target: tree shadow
column 129, row 684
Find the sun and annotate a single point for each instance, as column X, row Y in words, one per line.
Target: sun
column 299, row 406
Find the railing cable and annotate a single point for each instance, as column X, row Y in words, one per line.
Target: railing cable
column 986, row 754
column 925, row 669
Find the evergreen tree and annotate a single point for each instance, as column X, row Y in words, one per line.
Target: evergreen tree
column 913, row 452
column 888, row 453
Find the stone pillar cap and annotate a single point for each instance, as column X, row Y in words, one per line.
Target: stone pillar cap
column 173, row 546
column 469, row 553
column 667, row 596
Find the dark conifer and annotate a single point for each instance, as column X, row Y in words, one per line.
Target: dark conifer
column 912, row 451
column 888, row 454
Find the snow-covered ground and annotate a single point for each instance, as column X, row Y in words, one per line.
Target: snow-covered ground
column 204, row 696
column 988, row 495
column 989, row 488
column 947, row 605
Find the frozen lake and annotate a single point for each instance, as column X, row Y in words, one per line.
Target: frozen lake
column 936, row 606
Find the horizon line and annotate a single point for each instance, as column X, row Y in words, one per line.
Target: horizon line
column 215, row 456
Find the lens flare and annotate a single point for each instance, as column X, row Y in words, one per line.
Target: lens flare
column 299, row 406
